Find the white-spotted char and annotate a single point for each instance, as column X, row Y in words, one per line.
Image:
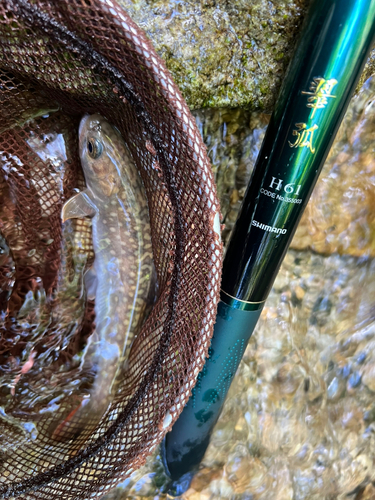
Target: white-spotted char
column 121, row 274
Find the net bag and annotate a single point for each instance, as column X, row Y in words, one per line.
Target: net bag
column 60, row 60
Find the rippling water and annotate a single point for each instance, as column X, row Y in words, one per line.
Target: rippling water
column 299, row 421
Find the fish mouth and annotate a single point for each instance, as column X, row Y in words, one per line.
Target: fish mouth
column 82, row 125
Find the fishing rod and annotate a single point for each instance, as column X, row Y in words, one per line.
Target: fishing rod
column 335, row 40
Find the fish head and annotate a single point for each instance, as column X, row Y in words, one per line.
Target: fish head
column 98, row 149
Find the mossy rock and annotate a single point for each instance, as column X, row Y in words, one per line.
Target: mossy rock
column 225, row 53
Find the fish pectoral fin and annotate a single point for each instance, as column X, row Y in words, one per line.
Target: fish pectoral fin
column 78, row 207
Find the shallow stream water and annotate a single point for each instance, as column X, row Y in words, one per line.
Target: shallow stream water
column 299, row 420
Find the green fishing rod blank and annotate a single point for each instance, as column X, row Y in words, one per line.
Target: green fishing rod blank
column 335, row 40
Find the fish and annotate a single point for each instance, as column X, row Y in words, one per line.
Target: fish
column 121, row 277
column 42, row 311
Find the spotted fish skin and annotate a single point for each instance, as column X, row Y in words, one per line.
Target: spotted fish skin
column 121, row 273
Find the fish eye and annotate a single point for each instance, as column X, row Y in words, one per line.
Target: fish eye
column 94, row 148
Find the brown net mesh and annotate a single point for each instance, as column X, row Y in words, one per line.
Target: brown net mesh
column 60, row 60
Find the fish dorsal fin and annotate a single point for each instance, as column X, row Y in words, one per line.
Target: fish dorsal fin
column 78, row 207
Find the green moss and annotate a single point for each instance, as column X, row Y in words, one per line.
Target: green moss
column 222, row 53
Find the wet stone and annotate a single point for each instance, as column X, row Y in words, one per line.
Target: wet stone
column 368, row 377
column 335, row 389
column 354, row 381
column 222, row 53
